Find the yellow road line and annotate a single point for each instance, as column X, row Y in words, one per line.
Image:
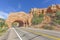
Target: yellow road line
column 42, row 34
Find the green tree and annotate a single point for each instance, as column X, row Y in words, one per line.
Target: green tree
column 2, row 24
column 1, row 19
column 57, row 17
column 37, row 19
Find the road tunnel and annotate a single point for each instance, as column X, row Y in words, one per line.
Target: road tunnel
column 17, row 23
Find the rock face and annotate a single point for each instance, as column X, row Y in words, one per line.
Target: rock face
column 26, row 19
column 21, row 17
column 51, row 10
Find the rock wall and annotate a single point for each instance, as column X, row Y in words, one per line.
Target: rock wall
column 51, row 10
column 19, row 16
column 27, row 18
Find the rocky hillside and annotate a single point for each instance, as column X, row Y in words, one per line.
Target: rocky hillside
column 51, row 16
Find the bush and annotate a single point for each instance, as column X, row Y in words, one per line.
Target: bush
column 57, row 21
column 48, row 27
column 3, row 30
column 37, row 19
column 57, row 18
column 1, row 24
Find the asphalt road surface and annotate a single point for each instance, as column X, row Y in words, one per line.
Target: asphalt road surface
column 32, row 34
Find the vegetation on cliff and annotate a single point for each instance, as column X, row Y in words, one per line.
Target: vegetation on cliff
column 57, row 17
column 37, row 19
column 3, row 26
column 55, row 20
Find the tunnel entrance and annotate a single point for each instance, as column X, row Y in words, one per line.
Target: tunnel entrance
column 17, row 23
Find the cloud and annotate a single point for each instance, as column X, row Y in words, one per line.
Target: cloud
column 3, row 14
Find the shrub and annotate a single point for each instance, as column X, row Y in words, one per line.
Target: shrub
column 2, row 24
column 57, row 18
column 48, row 27
column 37, row 19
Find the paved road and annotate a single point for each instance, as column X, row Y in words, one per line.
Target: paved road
column 48, row 32
column 52, row 35
column 25, row 35
column 33, row 34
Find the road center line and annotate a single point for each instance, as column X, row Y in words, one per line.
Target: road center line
column 45, row 35
column 17, row 33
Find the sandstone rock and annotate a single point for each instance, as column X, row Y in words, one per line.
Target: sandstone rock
column 27, row 18
column 19, row 17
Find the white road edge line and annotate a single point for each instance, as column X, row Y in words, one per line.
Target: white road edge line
column 17, row 33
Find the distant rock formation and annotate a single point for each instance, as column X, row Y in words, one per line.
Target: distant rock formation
column 51, row 10
column 26, row 19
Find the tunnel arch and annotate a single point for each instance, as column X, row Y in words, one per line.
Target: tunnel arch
column 20, row 23
column 21, row 17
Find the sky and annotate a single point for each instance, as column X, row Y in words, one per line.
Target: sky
column 7, row 6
